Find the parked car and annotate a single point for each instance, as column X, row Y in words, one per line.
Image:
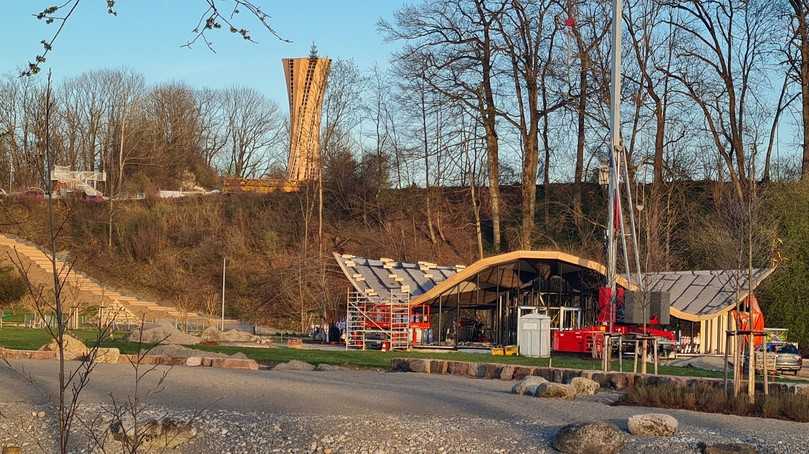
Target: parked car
column 787, row 357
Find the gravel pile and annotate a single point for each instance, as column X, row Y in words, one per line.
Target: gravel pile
column 231, row 432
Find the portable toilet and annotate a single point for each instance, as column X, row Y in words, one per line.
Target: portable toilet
column 534, row 335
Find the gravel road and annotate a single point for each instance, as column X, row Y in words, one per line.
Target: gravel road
column 359, row 411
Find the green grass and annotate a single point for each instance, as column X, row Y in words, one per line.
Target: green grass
column 33, row 339
column 380, row 359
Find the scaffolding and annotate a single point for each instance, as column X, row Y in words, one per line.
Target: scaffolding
column 372, row 319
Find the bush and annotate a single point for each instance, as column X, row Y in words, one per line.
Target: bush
column 712, row 399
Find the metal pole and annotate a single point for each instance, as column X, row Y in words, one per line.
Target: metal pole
column 615, row 147
column 224, row 265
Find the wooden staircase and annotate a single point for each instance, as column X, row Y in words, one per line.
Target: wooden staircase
column 82, row 291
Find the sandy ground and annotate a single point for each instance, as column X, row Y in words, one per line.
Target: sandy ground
column 360, row 411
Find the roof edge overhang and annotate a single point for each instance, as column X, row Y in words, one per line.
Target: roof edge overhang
column 501, row 259
column 742, row 295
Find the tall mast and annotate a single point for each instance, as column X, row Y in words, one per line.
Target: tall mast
column 616, row 151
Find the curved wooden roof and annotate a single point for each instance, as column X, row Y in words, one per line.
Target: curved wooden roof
column 695, row 295
column 495, row 260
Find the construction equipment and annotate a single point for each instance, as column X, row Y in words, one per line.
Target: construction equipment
column 373, row 321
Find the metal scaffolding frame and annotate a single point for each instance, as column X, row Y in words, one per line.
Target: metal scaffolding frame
column 371, row 318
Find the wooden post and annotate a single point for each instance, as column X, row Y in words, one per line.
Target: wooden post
column 737, row 376
column 725, row 363
column 751, row 372
column 621, row 353
column 643, row 354
column 764, row 368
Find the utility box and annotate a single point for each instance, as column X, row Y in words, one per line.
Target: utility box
column 534, row 335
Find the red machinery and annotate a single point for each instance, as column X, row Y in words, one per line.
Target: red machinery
column 584, row 340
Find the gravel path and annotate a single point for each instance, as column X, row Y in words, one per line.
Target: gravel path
column 365, row 411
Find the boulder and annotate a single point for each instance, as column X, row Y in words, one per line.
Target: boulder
column 210, row 334
column 419, row 365
column 652, row 425
column 74, row 348
column 328, row 367
column 507, row 373
column 584, row 386
column 294, row 365
column 729, row 448
column 155, row 434
column 556, row 390
column 107, row 355
column 193, row 361
column 164, row 333
column 528, row 385
column 590, row 438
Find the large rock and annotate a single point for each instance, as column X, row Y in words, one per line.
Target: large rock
column 328, row 367
column 528, row 385
column 584, row 386
column 294, row 365
column 507, row 373
column 652, row 425
column 154, row 434
column 108, row 355
column 589, row 438
column 164, row 333
column 74, row 348
column 729, row 448
column 211, row 334
column 556, row 390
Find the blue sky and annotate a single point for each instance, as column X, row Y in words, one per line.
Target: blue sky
column 147, row 34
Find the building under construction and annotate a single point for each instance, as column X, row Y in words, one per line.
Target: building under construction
column 480, row 304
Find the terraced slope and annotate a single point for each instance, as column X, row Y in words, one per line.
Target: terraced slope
column 82, row 291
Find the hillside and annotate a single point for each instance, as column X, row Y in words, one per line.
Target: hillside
column 171, row 250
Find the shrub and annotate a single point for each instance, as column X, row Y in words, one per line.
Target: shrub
column 712, row 399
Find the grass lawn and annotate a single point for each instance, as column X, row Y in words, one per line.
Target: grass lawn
column 380, row 359
column 33, row 339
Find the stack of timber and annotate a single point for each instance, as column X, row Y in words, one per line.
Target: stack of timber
column 259, row 186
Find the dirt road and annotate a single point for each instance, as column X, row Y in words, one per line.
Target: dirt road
column 365, row 411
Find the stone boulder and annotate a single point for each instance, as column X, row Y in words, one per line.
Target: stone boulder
column 590, row 438
column 294, row 365
column 528, row 385
column 729, row 448
column 328, row 367
column 211, row 334
column 108, row 355
column 584, row 386
column 193, row 361
column 164, row 333
column 507, row 373
column 155, row 434
column 556, row 390
column 74, row 348
column 652, row 425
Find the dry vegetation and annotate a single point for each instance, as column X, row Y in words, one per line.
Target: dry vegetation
column 713, row 399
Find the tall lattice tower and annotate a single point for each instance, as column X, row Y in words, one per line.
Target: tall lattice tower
column 306, row 84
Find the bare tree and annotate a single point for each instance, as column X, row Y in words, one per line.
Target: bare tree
column 529, row 31
column 456, row 41
column 216, row 15
column 253, row 130
column 720, row 60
